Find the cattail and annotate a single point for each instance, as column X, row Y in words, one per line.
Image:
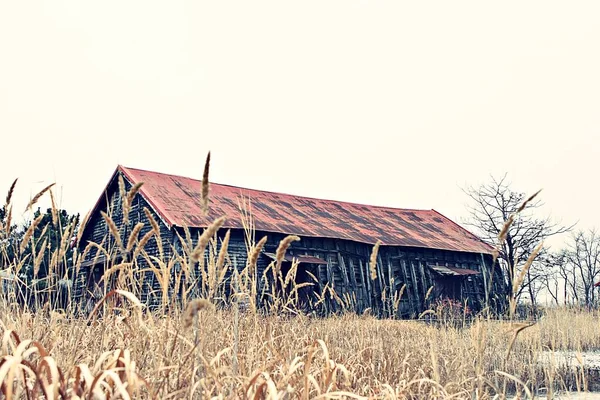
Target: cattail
column 152, row 220
column 142, row 243
column 123, row 197
column 29, row 232
column 156, row 229
column 205, row 185
column 428, row 292
column 401, row 293
column 504, row 231
column 121, row 187
column 193, row 308
column 205, row 237
column 533, row 196
column 37, row 196
column 223, row 251
column 39, row 258
column 11, row 191
column 128, row 201
column 8, row 219
column 256, row 252
column 53, row 210
column 81, row 257
column 517, row 282
column 373, row 261
column 188, row 238
column 131, row 194
column 133, row 236
column 495, row 254
column 82, row 226
column 113, row 229
column 66, row 239
column 281, row 249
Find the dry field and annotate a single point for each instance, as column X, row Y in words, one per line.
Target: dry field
column 211, row 353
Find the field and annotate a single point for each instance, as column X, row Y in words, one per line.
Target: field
column 203, row 349
column 209, row 353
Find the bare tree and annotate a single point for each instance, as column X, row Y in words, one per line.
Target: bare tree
column 558, row 279
column 491, row 206
column 575, row 270
column 584, row 259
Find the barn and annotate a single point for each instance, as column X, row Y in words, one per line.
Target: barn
column 423, row 257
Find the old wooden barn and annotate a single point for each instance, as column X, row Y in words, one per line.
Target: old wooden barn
column 422, row 251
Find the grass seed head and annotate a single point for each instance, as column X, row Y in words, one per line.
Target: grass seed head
column 205, row 185
column 193, row 308
column 373, row 260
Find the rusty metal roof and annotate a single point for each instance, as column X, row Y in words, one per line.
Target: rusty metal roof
column 177, row 200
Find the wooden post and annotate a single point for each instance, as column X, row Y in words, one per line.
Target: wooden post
column 392, row 284
column 381, row 279
column 370, row 289
column 331, row 280
column 410, row 290
column 413, row 275
column 485, row 279
column 423, row 281
column 321, row 287
column 364, row 293
column 351, row 281
column 342, row 267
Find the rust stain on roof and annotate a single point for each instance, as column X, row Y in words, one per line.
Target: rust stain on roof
column 177, row 200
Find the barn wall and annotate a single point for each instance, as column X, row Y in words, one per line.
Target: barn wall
column 347, row 273
column 346, row 276
column 97, row 231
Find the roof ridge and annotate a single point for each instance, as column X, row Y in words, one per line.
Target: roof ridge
column 423, row 210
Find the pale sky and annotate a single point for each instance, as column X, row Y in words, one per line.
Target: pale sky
column 384, row 102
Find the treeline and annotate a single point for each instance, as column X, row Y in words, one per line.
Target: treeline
column 564, row 276
column 36, row 257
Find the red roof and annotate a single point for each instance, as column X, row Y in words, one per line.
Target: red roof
column 177, row 200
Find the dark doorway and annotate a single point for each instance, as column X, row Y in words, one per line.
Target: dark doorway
column 449, row 287
column 309, row 292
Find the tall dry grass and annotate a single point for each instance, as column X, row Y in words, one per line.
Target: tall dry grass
column 200, row 347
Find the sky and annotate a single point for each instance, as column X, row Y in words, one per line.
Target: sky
column 390, row 103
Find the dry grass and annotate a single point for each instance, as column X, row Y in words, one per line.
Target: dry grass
column 203, row 349
column 296, row 356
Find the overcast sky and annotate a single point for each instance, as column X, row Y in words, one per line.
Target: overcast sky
column 387, row 103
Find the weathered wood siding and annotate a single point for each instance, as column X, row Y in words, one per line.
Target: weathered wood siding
column 348, row 273
column 346, row 276
column 98, row 232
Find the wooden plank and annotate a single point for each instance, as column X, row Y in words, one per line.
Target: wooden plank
column 368, row 282
column 350, row 282
column 365, row 302
column 343, row 270
column 410, row 291
column 381, row 278
column 423, row 281
column 485, row 281
column 331, row 281
column 393, row 285
column 362, row 298
column 415, row 283
column 378, row 283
